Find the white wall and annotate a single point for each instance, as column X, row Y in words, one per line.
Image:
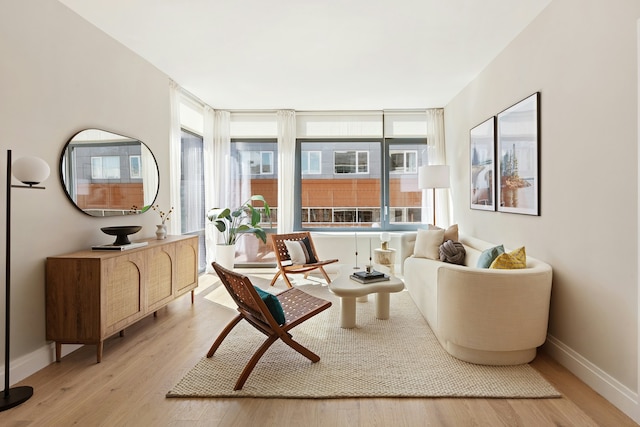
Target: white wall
column 582, row 57
column 58, row 75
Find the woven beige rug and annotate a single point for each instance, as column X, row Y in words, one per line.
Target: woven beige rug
column 399, row 357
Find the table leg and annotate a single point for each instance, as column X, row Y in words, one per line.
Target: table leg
column 347, row 312
column 382, row 305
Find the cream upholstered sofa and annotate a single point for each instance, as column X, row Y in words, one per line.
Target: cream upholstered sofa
column 480, row 315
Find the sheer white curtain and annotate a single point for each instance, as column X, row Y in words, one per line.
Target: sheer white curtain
column 286, row 169
column 436, row 141
column 217, row 157
column 174, row 226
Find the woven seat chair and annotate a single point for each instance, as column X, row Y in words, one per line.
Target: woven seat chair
column 285, row 262
column 297, row 305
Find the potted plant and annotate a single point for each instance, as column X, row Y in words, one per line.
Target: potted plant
column 243, row 220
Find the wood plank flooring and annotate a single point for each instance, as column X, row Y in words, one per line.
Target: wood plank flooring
column 128, row 388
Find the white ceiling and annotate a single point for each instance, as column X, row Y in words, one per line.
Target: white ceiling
column 315, row 54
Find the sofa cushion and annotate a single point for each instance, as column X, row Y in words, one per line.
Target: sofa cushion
column 512, row 260
column 489, row 255
column 273, row 304
column 452, row 252
column 451, row 233
column 428, row 243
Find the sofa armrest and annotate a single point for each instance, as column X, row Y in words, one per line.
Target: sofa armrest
column 503, row 310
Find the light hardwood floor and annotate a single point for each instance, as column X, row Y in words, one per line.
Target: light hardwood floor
column 128, row 388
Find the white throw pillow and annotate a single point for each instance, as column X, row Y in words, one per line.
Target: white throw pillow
column 428, row 244
column 297, row 252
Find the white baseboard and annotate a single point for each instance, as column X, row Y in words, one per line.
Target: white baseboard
column 31, row 363
column 611, row 389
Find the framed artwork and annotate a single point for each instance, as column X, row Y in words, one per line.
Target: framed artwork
column 518, row 139
column 482, row 150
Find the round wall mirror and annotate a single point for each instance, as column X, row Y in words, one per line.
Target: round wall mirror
column 106, row 174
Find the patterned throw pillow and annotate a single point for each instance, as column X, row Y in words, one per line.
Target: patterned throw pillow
column 487, row 256
column 300, row 251
column 512, row 260
column 273, row 304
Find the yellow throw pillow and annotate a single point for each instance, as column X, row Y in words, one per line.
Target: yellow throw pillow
column 512, row 260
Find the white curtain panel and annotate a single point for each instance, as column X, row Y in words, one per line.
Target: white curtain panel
column 217, row 154
column 174, row 226
column 286, row 169
column 435, row 139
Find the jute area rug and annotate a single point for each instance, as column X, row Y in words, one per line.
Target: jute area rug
column 398, row 357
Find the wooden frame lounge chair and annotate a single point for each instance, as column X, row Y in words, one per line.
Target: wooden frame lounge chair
column 272, row 315
column 303, row 261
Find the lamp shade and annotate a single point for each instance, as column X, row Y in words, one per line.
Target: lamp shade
column 385, row 237
column 30, row 170
column 433, row 176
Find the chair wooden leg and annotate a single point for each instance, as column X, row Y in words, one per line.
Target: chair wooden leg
column 300, row 348
column 286, row 280
column 273, row 281
column 326, row 276
column 254, row 360
column 224, row 334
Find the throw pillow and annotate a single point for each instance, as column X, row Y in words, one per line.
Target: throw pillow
column 512, row 260
column 273, row 304
column 452, row 252
column 487, row 256
column 450, row 233
column 300, row 251
column 428, row 244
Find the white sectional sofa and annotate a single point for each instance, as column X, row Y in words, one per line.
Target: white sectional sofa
column 480, row 315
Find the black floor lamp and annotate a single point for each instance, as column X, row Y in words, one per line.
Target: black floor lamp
column 30, row 171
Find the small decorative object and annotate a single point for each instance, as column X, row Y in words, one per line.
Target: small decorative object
column 483, row 174
column 518, row 136
column 161, row 231
column 369, row 266
column 121, row 232
column 164, row 216
column 384, row 239
column 356, row 238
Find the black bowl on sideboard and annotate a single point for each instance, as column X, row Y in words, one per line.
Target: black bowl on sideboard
column 121, row 232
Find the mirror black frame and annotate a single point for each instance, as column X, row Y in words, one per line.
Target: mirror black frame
column 123, row 141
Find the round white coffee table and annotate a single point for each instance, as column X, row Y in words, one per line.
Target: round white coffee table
column 348, row 290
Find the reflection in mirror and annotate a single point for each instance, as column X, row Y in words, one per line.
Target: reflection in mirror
column 106, row 174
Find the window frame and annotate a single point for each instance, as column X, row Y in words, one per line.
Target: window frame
column 385, row 145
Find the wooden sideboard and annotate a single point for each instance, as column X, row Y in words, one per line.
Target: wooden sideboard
column 92, row 295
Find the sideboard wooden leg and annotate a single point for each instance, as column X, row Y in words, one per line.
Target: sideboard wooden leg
column 192, row 296
column 58, row 351
column 99, row 351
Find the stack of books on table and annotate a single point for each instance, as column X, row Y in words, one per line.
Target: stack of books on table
column 369, row 277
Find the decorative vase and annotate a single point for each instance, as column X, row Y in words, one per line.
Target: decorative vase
column 161, row 232
column 226, row 255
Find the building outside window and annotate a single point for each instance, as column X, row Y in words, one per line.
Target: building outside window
column 311, row 162
column 351, row 162
column 105, row 167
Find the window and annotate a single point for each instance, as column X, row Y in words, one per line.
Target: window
column 192, row 207
column 254, row 171
column 105, row 167
column 373, row 183
column 256, row 162
column 403, row 161
column 135, row 167
column 311, row 162
column 351, row 162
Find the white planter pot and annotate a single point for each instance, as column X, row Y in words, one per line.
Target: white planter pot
column 226, row 255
